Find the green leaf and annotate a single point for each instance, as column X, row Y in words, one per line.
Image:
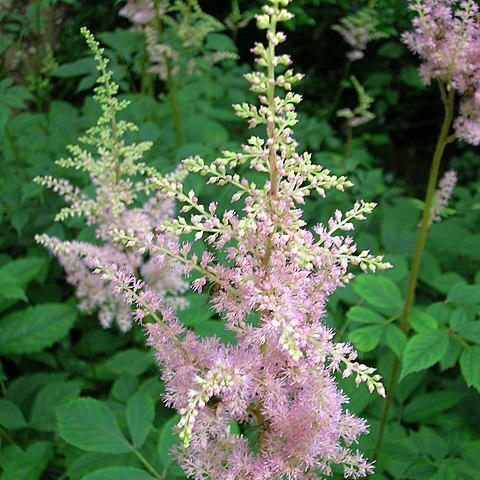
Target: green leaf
column 89, row 424
column 132, row 361
column 167, row 440
column 28, row 465
column 424, row 350
column 140, row 415
column 209, row 328
column 395, row 339
column 11, row 417
column 119, row 473
column 35, row 328
column 464, row 295
column 82, row 66
column 421, row 321
column 365, row 315
column 10, row 291
column 470, row 331
column 124, row 387
column 378, row 291
column 427, row 405
column 470, row 366
column 49, row 398
column 366, row 339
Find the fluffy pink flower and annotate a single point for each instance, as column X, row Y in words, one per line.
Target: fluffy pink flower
column 446, row 36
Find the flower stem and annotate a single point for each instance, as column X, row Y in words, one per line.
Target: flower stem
column 443, row 140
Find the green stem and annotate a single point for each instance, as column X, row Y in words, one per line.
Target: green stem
column 171, row 86
column 443, row 140
column 147, row 465
column 340, row 89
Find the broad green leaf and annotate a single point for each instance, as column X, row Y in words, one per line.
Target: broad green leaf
column 366, row 339
column 464, row 295
column 10, row 291
column 23, row 270
column 365, row 315
column 22, row 390
column 124, row 387
column 470, row 366
column 140, row 415
column 421, row 321
column 396, row 339
column 50, row 397
column 119, row 473
column 132, row 361
column 25, row 465
column 378, row 291
column 167, row 440
column 470, row 331
column 451, row 356
column 424, row 350
column 89, row 424
column 459, row 317
column 79, row 67
column 427, row 405
column 11, row 417
column 35, row 328
column 91, row 462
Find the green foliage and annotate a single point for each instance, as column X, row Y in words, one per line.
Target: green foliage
column 82, row 403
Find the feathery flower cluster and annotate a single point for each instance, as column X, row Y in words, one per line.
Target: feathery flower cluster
column 277, row 382
column 188, row 27
column 361, row 113
column 359, row 29
column 447, row 38
column 443, row 194
column 117, row 177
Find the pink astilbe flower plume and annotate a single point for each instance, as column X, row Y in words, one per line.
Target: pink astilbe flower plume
column 446, row 36
column 114, row 206
column 277, row 383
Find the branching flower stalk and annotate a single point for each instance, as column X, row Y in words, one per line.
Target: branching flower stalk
column 118, row 178
column 447, row 38
column 277, row 381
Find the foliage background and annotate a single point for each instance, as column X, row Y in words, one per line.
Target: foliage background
column 51, row 355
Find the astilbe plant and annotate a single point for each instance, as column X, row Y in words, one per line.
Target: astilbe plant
column 446, row 36
column 278, row 381
column 118, row 178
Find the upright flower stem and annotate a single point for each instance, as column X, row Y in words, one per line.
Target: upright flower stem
column 443, row 140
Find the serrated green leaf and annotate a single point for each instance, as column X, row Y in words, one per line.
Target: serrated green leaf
column 25, row 465
column 464, row 294
column 421, row 321
column 365, row 315
column 423, row 351
column 140, row 415
column 119, row 473
column 366, row 339
column 35, row 328
column 124, row 387
column 132, row 362
column 470, row 366
column 90, row 425
column 396, row 339
column 470, row 331
column 11, row 417
column 427, row 405
column 50, row 397
column 378, row 291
